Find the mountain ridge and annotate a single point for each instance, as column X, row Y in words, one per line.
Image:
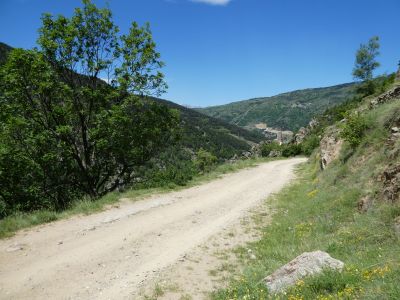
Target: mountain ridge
column 289, row 110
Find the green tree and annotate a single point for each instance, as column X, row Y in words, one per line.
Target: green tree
column 65, row 131
column 366, row 63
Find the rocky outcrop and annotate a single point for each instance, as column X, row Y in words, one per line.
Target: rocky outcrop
column 391, row 184
column 330, row 147
column 307, row 264
column 275, row 153
column 301, row 135
column 304, row 131
column 386, row 97
column 364, row 204
column 313, row 123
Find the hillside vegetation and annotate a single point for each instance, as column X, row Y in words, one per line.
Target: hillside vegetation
column 67, row 135
column 288, row 111
column 351, row 210
column 220, row 138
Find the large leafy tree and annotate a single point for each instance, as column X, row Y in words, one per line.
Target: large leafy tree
column 75, row 116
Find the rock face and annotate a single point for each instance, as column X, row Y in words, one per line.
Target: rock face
column 364, row 204
column 391, row 184
column 307, row 264
column 275, row 153
column 301, row 135
column 304, row 131
column 330, row 147
column 386, row 97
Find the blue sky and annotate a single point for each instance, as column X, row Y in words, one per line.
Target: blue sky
column 219, row 51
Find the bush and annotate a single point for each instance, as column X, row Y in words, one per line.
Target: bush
column 309, row 144
column 266, row 149
column 353, row 129
column 204, row 160
column 286, row 150
column 172, row 167
column 289, row 150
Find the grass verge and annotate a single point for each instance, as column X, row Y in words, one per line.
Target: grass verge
column 11, row 224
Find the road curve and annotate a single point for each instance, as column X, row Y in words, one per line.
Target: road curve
column 109, row 254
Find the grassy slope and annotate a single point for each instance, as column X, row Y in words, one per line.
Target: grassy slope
column 287, row 111
column 319, row 212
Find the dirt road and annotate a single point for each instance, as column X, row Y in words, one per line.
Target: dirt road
column 108, row 255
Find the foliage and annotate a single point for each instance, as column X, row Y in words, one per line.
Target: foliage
column 353, row 129
column 310, row 143
column 198, row 130
column 171, row 167
column 286, row 150
column 204, row 160
column 66, row 133
column 289, row 150
column 366, row 63
column 267, row 148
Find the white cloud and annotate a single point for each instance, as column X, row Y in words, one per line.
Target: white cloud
column 213, row 2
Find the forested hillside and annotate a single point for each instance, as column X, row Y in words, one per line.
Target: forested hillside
column 288, row 111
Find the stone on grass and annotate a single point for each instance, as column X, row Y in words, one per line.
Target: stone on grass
column 306, row 264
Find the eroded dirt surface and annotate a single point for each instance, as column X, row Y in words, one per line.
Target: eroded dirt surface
column 117, row 253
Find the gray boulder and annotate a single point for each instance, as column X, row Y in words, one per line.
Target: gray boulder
column 275, row 153
column 306, row 264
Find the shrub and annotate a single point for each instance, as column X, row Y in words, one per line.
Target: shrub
column 309, row 144
column 173, row 166
column 353, row 129
column 289, row 150
column 267, row 148
column 204, row 160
